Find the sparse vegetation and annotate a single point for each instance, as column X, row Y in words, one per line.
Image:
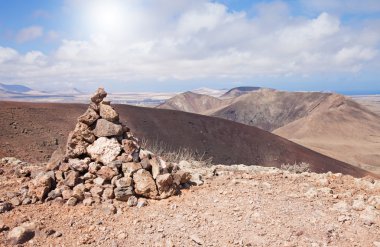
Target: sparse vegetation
column 296, row 167
column 175, row 154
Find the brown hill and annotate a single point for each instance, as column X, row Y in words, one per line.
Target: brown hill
column 269, row 109
column 265, row 108
column 340, row 128
column 328, row 123
column 33, row 131
column 192, row 102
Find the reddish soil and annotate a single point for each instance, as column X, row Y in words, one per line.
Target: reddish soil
column 236, row 208
column 32, row 131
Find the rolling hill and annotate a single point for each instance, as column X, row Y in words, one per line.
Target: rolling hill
column 325, row 122
column 265, row 108
column 340, row 128
column 41, row 128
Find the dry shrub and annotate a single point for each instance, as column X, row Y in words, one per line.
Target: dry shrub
column 175, row 155
column 296, row 167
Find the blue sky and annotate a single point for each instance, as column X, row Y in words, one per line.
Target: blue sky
column 164, row 45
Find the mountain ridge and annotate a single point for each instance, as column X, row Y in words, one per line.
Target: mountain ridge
column 273, row 111
column 238, row 91
column 14, row 88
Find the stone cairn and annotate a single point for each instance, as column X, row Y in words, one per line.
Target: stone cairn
column 103, row 161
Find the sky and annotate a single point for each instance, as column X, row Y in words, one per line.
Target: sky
column 166, row 45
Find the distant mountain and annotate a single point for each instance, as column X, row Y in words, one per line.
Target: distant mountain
column 325, row 122
column 192, row 102
column 73, row 91
column 76, row 90
column 269, row 109
column 13, row 88
column 237, row 91
column 209, row 91
column 264, row 108
column 340, row 128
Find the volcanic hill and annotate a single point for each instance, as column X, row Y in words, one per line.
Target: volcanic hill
column 325, row 122
column 44, row 127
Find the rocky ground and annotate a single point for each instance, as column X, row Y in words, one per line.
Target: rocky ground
column 236, row 206
column 105, row 189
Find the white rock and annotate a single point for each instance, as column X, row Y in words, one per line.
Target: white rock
column 22, row 234
column 376, row 185
column 196, row 178
column 145, row 154
column 88, row 201
column 358, row 204
column 99, row 181
column 326, row 190
column 341, row 206
column 323, row 182
column 93, row 167
column 361, row 183
column 311, row 193
column 104, row 150
column 368, row 216
column 88, row 176
column 374, row 201
column 141, row 202
column 183, row 164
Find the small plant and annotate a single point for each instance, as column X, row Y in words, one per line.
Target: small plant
column 296, row 168
column 175, row 154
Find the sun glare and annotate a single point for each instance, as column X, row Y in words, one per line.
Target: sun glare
column 107, row 16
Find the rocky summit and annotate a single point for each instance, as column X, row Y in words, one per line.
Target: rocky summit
column 103, row 161
column 94, row 190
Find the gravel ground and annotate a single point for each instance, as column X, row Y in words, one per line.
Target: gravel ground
column 236, row 206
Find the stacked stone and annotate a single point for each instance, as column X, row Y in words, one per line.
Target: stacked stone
column 103, row 161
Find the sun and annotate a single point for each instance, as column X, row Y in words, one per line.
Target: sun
column 108, row 17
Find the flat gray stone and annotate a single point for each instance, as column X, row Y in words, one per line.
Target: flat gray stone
column 105, row 128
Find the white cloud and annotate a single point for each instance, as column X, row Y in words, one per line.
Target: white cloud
column 35, row 58
column 307, row 35
column 29, row 33
column 186, row 40
column 7, row 54
column 206, row 17
column 349, row 55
